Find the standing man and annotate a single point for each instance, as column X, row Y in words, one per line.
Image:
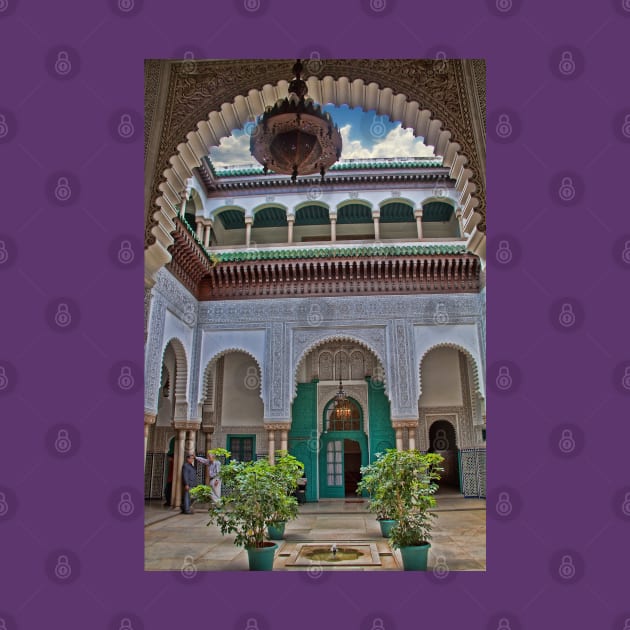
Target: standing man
column 214, row 471
column 189, row 480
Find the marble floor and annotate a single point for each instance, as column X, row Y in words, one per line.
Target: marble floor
column 173, row 540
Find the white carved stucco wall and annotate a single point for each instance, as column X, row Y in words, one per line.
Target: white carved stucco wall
column 280, row 333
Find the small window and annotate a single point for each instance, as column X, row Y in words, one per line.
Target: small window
column 241, row 448
column 349, row 421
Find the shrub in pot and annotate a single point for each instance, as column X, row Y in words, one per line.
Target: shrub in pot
column 257, row 494
column 287, row 470
column 417, row 477
column 379, row 482
column 401, row 485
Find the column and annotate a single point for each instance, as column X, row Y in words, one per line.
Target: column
column 248, row 230
column 206, row 234
column 290, row 222
column 458, row 215
column 200, row 229
column 333, row 228
column 399, row 439
column 376, row 215
column 208, row 431
column 149, row 419
column 272, row 445
column 190, row 446
column 176, row 493
column 284, row 440
column 418, row 214
column 412, row 438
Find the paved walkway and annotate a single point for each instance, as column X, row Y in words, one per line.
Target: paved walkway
column 173, row 539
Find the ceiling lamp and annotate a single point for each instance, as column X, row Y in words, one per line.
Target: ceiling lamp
column 342, row 409
column 295, row 137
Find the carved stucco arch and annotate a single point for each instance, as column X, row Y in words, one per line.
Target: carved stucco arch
column 440, row 91
column 466, row 352
column 333, row 338
column 212, row 362
column 180, row 386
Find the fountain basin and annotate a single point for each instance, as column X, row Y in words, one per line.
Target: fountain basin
column 348, row 554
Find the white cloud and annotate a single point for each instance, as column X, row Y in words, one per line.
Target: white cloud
column 232, row 150
column 398, row 142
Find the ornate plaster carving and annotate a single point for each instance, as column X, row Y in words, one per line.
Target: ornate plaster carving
column 233, row 91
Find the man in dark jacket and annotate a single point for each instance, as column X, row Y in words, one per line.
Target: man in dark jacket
column 189, row 480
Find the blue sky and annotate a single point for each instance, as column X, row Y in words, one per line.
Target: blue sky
column 364, row 135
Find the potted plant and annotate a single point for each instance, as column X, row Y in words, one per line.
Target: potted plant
column 416, row 476
column 378, row 481
column 287, row 471
column 256, row 494
column 401, row 485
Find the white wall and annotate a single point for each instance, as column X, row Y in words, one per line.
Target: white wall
column 242, row 405
column 441, row 380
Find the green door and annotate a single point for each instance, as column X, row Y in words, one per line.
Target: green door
column 331, row 469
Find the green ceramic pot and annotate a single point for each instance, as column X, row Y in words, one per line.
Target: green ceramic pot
column 386, row 526
column 261, row 558
column 415, row 558
column 276, row 530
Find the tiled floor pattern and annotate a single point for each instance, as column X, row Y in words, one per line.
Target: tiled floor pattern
column 459, row 537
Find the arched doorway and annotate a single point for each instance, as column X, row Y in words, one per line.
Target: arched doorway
column 442, row 440
column 343, row 452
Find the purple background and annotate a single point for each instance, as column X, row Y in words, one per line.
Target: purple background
column 566, row 501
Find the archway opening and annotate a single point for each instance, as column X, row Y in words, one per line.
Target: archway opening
column 443, row 441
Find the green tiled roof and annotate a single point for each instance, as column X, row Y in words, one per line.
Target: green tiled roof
column 338, row 166
column 338, row 252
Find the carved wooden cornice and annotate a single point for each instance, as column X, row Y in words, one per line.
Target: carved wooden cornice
column 449, row 273
column 189, row 263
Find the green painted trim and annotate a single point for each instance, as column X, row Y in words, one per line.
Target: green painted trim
column 338, row 166
column 303, row 442
column 332, row 492
column 231, row 436
column 335, row 251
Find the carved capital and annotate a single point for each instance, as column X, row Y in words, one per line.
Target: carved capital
column 404, row 424
column 186, row 425
column 149, row 418
column 277, row 426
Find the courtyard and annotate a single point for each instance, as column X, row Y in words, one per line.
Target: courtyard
column 175, row 541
